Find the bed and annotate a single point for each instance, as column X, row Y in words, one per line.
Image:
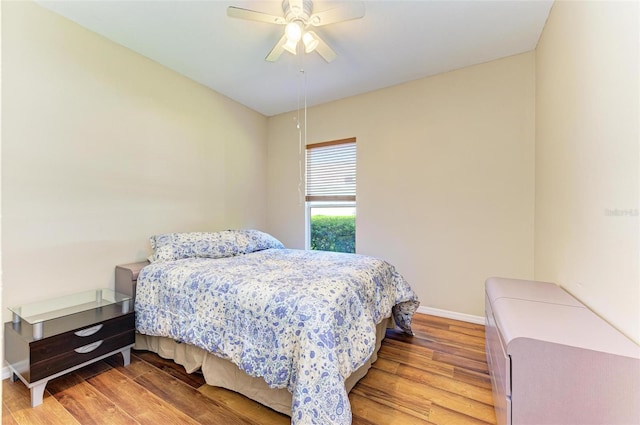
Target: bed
column 292, row 329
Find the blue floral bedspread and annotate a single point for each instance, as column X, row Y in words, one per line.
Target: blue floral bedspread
column 301, row 320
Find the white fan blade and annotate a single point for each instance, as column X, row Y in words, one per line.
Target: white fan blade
column 277, row 50
column 252, row 15
column 324, row 50
column 354, row 10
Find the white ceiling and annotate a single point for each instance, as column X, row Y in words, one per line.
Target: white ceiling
column 395, row 42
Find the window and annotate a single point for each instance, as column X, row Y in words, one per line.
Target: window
column 331, row 196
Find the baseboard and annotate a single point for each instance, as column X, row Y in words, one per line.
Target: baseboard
column 6, row 373
column 451, row 315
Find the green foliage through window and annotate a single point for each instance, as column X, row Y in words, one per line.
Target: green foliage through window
column 333, row 233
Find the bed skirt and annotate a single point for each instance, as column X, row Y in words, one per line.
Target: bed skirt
column 219, row 372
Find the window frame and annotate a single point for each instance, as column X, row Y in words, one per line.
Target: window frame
column 334, row 201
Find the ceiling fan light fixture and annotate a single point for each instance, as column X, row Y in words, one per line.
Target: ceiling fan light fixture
column 297, row 17
column 310, row 42
column 291, row 47
column 293, row 30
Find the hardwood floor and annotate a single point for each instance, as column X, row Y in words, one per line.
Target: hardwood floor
column 439, row 376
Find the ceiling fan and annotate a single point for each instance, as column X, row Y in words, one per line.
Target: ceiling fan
column 298, row 18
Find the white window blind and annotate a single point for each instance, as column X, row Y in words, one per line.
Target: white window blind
column 331, row 171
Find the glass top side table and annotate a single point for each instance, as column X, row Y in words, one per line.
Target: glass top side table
column 38, row 313
column 50, row 338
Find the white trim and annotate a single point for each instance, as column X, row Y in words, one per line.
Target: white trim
column 307, row 226
column 6, row 373
column 451, row 315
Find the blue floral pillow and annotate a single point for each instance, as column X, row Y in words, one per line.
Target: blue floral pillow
column 250, row 240
column 227, row 243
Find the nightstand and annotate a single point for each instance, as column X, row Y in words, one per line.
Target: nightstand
column 50, row 338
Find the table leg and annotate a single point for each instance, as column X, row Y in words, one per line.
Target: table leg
column 37, row 393
column 126, row 356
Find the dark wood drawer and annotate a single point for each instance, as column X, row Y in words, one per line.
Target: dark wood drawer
column 48, row 348
column 74, row 356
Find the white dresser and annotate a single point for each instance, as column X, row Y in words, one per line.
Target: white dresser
column 554, row 361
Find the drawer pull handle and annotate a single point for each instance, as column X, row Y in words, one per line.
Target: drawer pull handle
column 89, row 331
column 88, row 348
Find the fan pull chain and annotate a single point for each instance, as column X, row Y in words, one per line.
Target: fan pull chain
column 302, row 130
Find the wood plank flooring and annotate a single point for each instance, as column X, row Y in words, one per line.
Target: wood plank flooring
column 439, row 376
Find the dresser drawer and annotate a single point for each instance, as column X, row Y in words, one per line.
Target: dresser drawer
column 50, row 347
column 78, row 355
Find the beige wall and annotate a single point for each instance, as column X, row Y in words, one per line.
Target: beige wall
column 445, row 177
column 102, row 148
column 587, row 157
